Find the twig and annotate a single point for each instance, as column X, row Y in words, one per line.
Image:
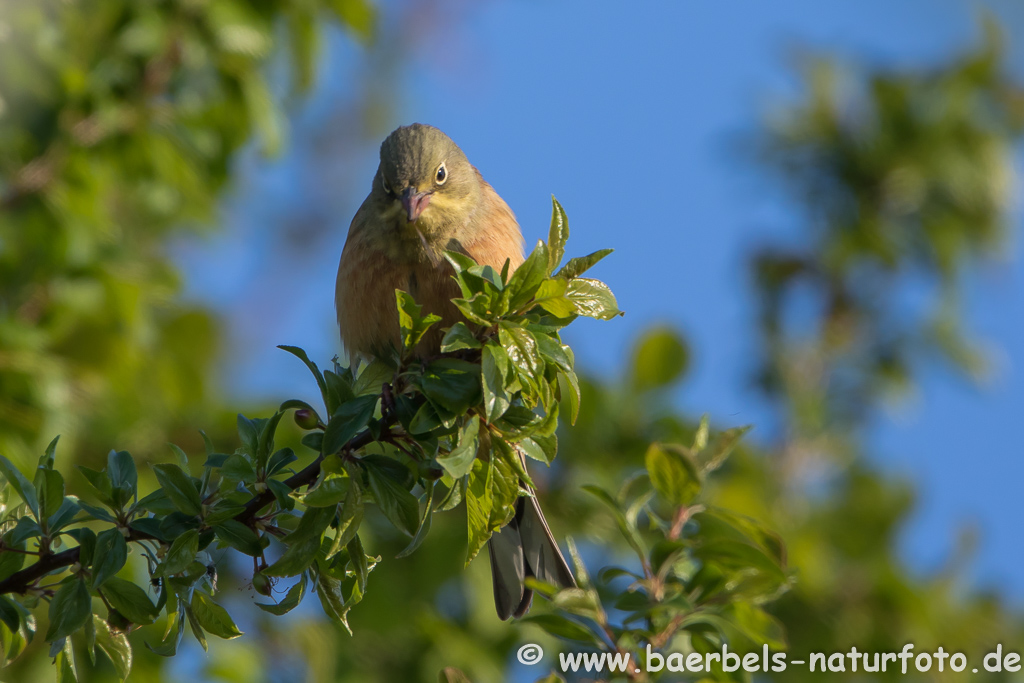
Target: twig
column 20, row 581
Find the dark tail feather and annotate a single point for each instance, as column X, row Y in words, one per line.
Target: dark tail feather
column 543, row 558
column 524, row 547
column 507, row 570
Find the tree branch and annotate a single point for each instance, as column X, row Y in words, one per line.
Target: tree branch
column 20, row 581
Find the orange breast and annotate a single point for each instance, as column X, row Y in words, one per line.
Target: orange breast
column 368, row 278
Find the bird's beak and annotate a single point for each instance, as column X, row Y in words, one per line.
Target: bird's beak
column 414, row 202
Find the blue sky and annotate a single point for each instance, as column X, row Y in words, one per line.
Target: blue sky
column 632, row 118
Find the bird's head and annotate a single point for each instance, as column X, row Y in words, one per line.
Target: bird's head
column 425, row 181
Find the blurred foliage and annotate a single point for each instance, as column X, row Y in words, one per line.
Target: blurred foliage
column 464, row 421
column 118, row 121
column 117, row 124
column 905, row 179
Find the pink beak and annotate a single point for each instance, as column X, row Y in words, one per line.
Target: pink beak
column 414, row 202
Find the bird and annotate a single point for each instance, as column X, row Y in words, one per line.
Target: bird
column 427, row 198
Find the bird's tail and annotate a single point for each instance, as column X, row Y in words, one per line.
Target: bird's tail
column 524, row 547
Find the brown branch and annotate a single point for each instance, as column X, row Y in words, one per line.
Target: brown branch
column 305, row 476
column 20, row 581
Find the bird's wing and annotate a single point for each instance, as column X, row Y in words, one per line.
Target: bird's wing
column 495, row 234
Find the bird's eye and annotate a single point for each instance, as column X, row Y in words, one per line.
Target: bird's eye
column 442, row 174
column 384, row 184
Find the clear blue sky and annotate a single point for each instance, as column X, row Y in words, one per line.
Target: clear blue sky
column 629, row 115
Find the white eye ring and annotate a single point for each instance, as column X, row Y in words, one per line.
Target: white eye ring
column 384, row 183
column 441, row 176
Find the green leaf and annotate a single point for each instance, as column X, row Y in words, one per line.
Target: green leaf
column 528, row 277
column 15, row 642
column 282, row 493
column 9, row 615
column 673, row 473
column 121, row 469
column 197, row 628
column 339, row 390
column 115, row 646
column 460, row 262
column 592, row 298
column 477, row 309
column 64, row 660
column 314, row 441
column 720, row 447
column 181, row 554
column 179, row 488
column 20, row 484
column 330, row 491
column 563, row 627
column 49, row 485
column 558, row 235
column 424, row 529
column 569, row 387
column 86, row 538
column 700, row 439
column 479, row 503
column 373, row 377
column 508, row 469
column 542, row 448
column 303, row 543
column 459, row 461
column 350, row 516
column 459, row 337
column 357, row 561
column 239, row 536
column 100, row 483
column 46, row 460
column 494, row 370
column 329, row 590
column 577, row 266
column 69, row 609
column 212, row 617
column 249, row 434
column 296, row 404
column 279, row 459
column 743, row 558
column 64, row 515
column 452, row 384
column 265, row 440
column 130, row 600
column 301, row 355
column 659, row 360
column 551, row 296
column 110, row 555
column 291, row 599
column 347, row 421
column 393, row 499
column 411, row 322
column 628, row 530
column 518, row 422
column 521, row 347
column 756, row 624
column 453, row 497
column 180, row 456
column 716, row 524
column 223, row 511
column 237, row 468
column 97, row 513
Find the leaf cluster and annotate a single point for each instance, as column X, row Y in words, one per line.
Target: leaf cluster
column 408, row 434
column 700, row 575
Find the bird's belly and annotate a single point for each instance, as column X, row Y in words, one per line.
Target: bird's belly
column 368, row 314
